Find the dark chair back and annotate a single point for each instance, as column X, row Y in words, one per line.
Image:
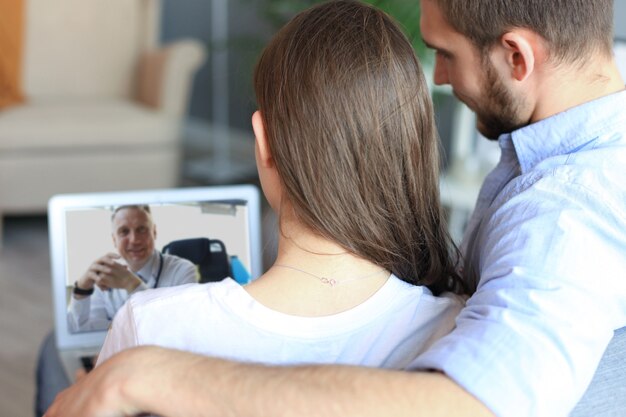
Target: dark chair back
column 208, row 254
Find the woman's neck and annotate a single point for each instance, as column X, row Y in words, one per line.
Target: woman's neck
column 314, row 276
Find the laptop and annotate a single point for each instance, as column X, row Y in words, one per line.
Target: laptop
column 80, row 232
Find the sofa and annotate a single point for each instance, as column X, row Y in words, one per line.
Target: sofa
column 104, row 103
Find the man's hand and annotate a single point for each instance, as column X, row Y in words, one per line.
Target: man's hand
column 106, row 272
column 194, row 385
column 100, row 393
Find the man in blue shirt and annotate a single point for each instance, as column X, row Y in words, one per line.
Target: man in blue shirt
column 545, row 248
column 546, row 244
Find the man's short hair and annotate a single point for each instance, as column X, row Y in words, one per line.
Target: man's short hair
column 143, row 207
column 573, row 29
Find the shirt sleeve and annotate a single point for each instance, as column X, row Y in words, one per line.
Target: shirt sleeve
column 185, row 272
column 122, row 334
column 88, row 313
column 550, row 296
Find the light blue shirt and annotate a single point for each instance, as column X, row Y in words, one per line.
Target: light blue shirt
column 548, row 241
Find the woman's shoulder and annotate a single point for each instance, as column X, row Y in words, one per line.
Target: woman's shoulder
column 446, row 301
column 180, row 294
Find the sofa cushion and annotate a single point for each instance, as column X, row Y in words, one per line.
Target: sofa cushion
column 82, row 48
column 11, row 43
column 52, row 125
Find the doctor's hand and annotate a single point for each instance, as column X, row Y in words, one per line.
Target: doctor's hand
column 106, row 272
column 117, row 276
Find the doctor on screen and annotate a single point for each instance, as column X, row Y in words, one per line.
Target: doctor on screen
column 111, row 279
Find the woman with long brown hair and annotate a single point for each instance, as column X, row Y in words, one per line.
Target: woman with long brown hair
column 347, row 157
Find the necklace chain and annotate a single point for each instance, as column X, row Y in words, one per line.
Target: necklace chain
column 329, row 281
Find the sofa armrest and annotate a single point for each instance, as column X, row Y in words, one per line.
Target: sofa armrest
column 165, row 76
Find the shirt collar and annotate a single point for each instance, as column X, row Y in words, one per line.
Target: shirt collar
column 565, row 132
column 149, row 270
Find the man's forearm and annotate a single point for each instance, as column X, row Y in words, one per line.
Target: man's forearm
column 193, row 386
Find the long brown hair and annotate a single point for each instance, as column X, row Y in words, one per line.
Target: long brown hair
column 350, row 126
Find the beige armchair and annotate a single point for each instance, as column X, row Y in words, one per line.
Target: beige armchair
column 104, row 103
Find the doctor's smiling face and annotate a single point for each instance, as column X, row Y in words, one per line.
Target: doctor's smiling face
column 133, row 235
column 472, row 75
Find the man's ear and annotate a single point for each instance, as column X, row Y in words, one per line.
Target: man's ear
column 522, row 48
column 262, row 147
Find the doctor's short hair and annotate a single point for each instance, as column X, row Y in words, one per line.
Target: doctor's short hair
column 142, row 207
column 573, row 29
column 350, row 127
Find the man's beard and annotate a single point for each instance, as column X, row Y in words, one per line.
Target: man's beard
column 500, row 112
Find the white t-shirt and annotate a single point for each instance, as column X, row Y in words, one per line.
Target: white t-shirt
column 221, row 319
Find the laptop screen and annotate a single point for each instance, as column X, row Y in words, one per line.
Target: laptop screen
column 223, row 219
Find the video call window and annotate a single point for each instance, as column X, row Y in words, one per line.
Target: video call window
column 224, row 223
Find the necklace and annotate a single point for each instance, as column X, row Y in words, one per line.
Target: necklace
column 330, row 281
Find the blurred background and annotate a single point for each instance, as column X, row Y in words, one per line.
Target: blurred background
column 130, row 94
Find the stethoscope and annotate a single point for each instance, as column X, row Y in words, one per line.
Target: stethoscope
column 158, row 275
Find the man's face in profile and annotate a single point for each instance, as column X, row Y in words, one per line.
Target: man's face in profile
column 133, row 236
column 473, row 78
